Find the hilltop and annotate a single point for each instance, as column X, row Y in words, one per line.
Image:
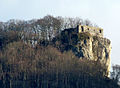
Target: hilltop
column 40, row 54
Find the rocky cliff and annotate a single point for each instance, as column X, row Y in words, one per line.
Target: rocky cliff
column 85, row 45
column 94, row 48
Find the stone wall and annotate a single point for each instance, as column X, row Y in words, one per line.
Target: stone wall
column 94, row 31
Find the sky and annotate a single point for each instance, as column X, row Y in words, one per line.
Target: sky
column 104, row 13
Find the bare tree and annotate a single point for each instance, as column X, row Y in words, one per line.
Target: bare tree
column 69, row 22
column 49, row 26
column 115, row 74
column 88, row 23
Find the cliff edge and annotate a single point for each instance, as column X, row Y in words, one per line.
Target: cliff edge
column 86, row 43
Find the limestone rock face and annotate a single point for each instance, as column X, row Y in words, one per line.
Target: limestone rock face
column 94, row 48
column 86, row 43
column 101, row 48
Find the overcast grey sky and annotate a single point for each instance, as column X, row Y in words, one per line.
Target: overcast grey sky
column 105, row 13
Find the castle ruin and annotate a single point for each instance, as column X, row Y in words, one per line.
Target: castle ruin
column 94, row 31
column 88, row 42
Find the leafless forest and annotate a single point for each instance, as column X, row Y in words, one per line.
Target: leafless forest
column 30, row 58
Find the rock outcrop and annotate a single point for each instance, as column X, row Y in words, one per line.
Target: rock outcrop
column 86, row 42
